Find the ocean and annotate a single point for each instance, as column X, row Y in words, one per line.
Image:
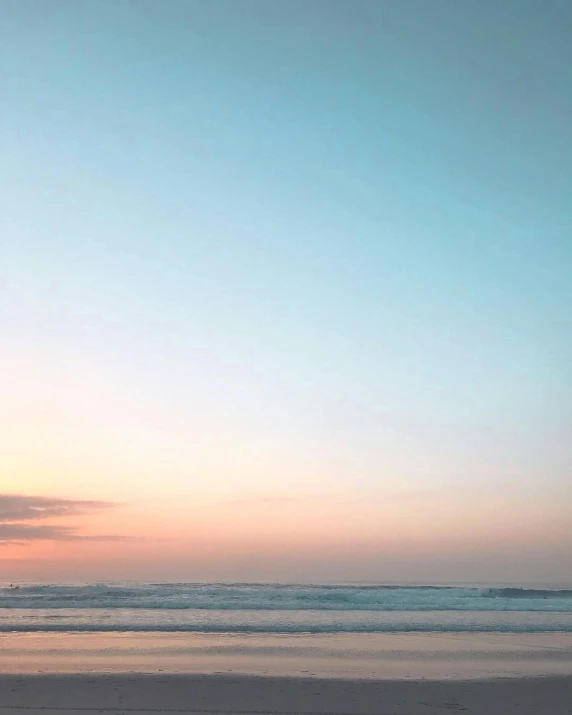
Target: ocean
column 282, row 608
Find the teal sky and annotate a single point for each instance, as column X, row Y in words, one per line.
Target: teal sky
column 268, row 250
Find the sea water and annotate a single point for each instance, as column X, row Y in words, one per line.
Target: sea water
column 283, row 608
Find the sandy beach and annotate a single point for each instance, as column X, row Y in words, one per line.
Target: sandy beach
column 196, row 694
column 373, row 656
column 376, row 674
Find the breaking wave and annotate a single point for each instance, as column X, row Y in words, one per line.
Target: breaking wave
column 281, row 608
column 284, row 597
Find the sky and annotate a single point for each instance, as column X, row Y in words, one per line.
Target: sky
column 285, row 290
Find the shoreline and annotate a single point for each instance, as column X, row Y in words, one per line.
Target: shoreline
column 261, row 695
column 405, row 656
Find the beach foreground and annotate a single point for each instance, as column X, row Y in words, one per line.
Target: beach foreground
column 349, row 674
column 361, row 656
column 197, row 694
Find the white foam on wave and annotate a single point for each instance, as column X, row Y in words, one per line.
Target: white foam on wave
column 285, row 597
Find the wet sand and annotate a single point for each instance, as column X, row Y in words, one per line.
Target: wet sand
column 350, row 674
column 377, row 656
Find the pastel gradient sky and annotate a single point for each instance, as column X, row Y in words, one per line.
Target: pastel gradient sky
column 286, row 290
